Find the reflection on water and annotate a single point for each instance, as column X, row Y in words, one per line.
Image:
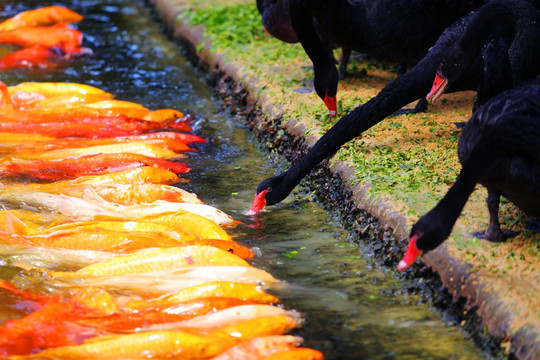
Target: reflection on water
column 353, row 310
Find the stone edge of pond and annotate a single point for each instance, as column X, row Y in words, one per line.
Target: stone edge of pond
column 455, row 274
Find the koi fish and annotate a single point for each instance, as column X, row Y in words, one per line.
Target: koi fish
column 92, row 164
column 96, row 239
column 43, row 328
column 158, row 207
column 50, row 89
column 139, row 148
column 145, row 174
column 260, row 347
column 71, row 207
column 178, row 144
column 123, row 194
column 252, row 328
column 228, row 245
column 15, row 139
column 134, row 110
column 156, row 260
column 131, row 194
column 136, row 321
column 167, row 344
column 166, row 282
column 35, row 56
column 226, row 289
column 88, row 127
column 141, row 345
column 64, row 103
column 300, row 353
column 226, row 317
column 131, row 226
column 40, row 298
column 47, row 258
column 190, row 223
column 59, row 36
column 44, row 16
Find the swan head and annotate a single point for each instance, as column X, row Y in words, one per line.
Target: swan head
column 269, row 192
column 440, row 84
column 325, row 83
column 427, row 234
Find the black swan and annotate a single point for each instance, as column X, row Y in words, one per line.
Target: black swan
column 396, row 31
column 501, row 27
column 276, row 20
column 406, row 88
column 500, row 149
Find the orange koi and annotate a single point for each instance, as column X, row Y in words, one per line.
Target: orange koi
column 35, row 56
column 59, row 36
column 260, row 347
column 133, row 147
column 228, row 245
column 227, row 289
column 262, row 326
column 145, row 174
column 175, row 136
column 167, row 344
column 64, row 103
column 88, row 127
column 156, row 260
column 141, row 345
column 47, row 327
column 112, row 241
column 27, row 145
column 93, row 164
column 95, row 302
column 40, row 298
column 44, row 16
column 300, row 353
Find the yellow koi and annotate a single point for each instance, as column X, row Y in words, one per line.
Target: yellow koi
column 156, row 260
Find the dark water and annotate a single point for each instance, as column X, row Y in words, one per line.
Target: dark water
column 352, row 308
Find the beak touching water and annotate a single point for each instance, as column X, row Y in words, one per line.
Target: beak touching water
column 259, row 202
column 411, row 255
column 440, row 84
column 330, row 102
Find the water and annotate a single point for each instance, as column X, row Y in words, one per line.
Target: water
column 352, row 308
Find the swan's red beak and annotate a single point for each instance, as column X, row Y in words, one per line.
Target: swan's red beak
column 411, row 255
column 259, row 202
column 440, row 84
column 330, row 102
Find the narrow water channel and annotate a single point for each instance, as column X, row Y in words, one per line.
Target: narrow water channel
column 352, row 308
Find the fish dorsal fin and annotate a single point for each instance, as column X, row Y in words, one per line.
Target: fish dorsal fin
column 14, row 224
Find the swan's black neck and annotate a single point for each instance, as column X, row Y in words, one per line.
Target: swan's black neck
column 326, row 74
column 511, row 137
column 403, row 90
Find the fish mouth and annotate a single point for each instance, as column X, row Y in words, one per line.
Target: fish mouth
column 259, row 202
column 411, row 255
column 330, row 102
column 440, row 84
